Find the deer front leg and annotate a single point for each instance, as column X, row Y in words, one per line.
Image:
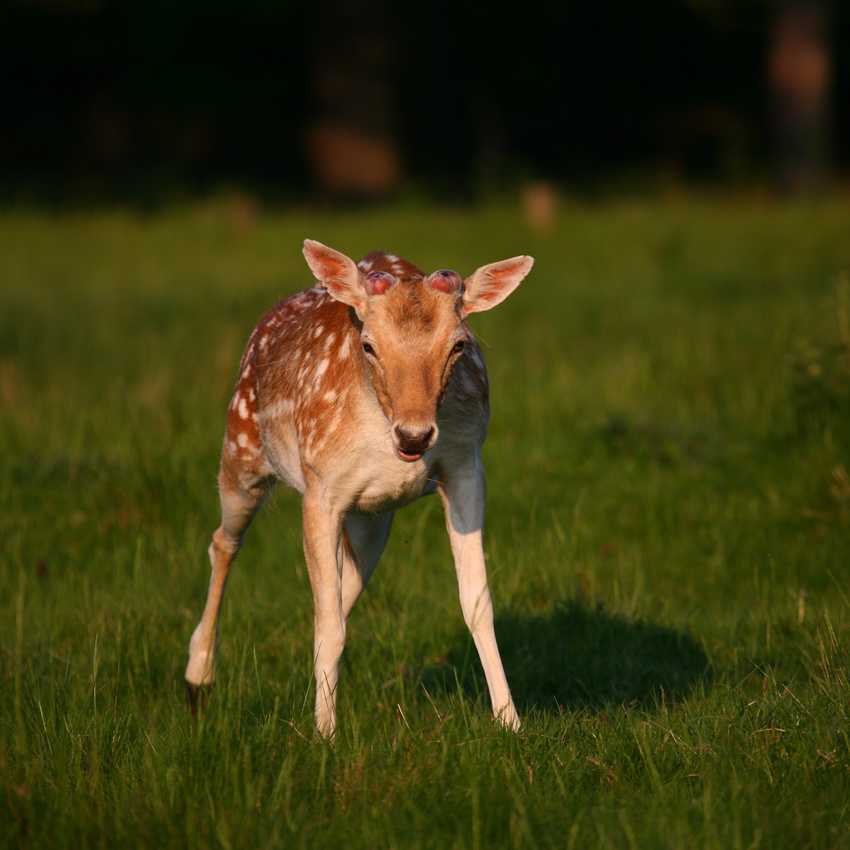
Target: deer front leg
column 464, row 494
column 323, row 550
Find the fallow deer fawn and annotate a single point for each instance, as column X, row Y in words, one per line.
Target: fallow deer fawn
column 363, row 393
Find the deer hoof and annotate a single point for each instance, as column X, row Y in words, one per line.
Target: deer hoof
column 193, row 692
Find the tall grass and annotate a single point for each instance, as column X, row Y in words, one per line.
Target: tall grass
column 668, row 542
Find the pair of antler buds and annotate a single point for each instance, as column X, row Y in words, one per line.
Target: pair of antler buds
column 444, row 280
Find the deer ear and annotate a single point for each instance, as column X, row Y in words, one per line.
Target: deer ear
column 337, row 273
column 492, row 284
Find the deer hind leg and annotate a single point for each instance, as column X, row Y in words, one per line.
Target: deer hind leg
column 364, row 539
column 242, row 491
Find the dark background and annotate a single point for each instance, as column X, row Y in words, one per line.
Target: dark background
column 372, row 98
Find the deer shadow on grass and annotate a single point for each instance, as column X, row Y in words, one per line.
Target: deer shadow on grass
column 580, row 658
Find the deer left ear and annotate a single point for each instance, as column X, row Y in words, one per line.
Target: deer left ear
column 337, row 273
column 490, row 285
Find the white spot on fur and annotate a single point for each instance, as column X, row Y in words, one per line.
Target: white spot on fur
column 345, row 346
column 243, row 408
column 242, row 440
column 330, row 396
column 322, row 368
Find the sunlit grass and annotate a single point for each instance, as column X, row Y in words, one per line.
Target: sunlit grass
column 668, row 518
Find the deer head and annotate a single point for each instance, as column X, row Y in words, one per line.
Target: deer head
column 412, row 329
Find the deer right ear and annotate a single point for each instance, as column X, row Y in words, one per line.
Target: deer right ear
column 337, row 273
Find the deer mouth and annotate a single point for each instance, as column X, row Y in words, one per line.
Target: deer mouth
column 408, row 456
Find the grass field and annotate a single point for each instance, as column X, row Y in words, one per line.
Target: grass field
column 668, row 542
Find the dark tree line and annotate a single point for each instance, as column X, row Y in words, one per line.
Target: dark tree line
column 362, row 96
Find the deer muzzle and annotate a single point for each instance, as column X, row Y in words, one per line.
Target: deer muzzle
column 412, row 442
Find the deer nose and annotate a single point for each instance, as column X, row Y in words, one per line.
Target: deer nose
column 411, row 444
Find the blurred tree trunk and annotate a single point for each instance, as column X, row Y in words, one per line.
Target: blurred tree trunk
column 799, row 72
column 352, row 140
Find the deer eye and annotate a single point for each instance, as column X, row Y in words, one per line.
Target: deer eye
column 459, row 346
column 368, row 350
